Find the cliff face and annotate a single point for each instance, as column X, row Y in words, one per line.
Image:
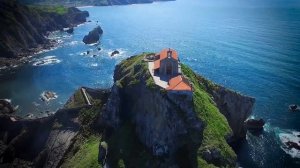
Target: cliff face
column 23, row 29
column 234, row 106
column 187, row 131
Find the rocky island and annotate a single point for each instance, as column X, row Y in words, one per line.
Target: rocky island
column 136, row 123
column 93, row 36
column 23, row 29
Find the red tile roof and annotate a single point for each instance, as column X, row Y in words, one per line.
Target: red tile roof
column 163, row 55
column 179, row 84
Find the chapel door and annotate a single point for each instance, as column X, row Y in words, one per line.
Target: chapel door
column 169, row 68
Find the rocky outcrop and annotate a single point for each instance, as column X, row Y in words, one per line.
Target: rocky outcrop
column 40, row 141
column 236, row 108
column 44, row 142
column 163, row 125
column 114, row 53
column 6, row 107
column 93, row 36
column 23, row 29
column 70, row 30
column 167, row 124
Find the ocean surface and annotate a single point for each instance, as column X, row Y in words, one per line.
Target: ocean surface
column 253, row 50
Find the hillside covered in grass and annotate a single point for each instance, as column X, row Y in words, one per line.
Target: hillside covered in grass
column 186, row 132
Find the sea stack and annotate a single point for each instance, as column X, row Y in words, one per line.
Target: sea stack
column 93, row 36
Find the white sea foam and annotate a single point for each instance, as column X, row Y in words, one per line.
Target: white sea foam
column 94, row 65
column 3, row 67
column 48, row 60
column 93, row 44
column 80, row 24
column 122, row 53
column 290, row 136
column 72, row 43
column 79, row 7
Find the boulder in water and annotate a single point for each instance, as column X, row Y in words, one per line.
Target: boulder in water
column 93, row 36
column 114, row 53
column 48, row 95
column 254, row 124
column 294, row 107
column 6, row 107
column 70, row 30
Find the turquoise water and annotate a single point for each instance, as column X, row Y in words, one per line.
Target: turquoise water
column 254, row 51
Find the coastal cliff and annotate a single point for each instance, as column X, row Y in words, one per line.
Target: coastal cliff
column 88, row 2
column 134, row 124
column 185, row 131
column 23, row 29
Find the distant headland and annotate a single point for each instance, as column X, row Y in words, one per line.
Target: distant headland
column 76, row 3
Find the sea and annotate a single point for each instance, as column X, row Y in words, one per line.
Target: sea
column 253, row 49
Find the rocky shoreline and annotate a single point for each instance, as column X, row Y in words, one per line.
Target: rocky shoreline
column 30, row 28
column 25, row 56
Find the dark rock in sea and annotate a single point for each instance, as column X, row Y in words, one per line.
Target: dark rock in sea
column 114, row 53
column 70, row 30
column 253, row 124
column 291, row 145
column 99, row 48
column 6, row 107
column 93, row 36
column 294, row 107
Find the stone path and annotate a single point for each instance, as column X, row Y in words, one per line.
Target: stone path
column 157, row 79
column 87, row 100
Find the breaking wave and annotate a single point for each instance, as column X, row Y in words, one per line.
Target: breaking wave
column 48, row 60
column 290, row 142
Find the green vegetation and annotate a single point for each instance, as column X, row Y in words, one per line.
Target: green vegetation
column 68, row 3
column 85, row 149
column 203, row 163
column 77, row 100
column 216, row 128
column 49, row 9
column 124, row 147
column 86, row 156
column 132, row 70
column 87, row 116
